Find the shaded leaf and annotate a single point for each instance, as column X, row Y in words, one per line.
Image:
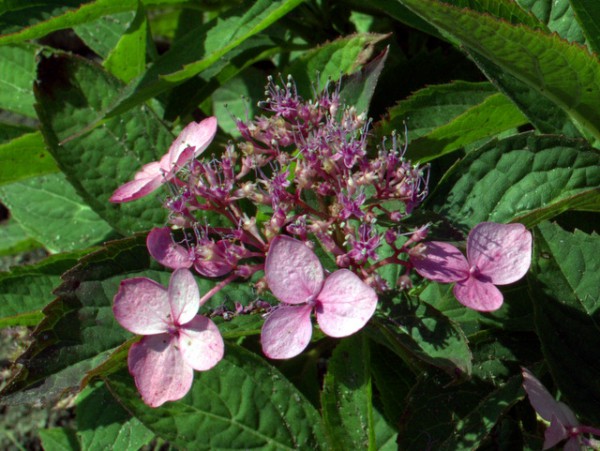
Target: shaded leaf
column 102, row 423
column 567, row 306
column 103, row 34
column 572, row 82
column 14, row 240
column 346, row 396
column 588, row 16
column 243, row 403
column 520, row 177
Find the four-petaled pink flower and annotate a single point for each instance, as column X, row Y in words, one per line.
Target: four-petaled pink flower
column 343, row 303
column 497, row 254
column 176, row 341
column 190, row 143
column 563, row 424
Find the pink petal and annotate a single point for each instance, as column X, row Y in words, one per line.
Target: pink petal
column 286, row 331
column 544, row 403
column 159, row 370
column 145, row 181
column 345, row 304
column 573, row 445
column 142, row 306
column 197, row 136
column 501, row 252
column 294, row 273
column 478, row 295
column 440, row 262
column 184, row 296
column 201, row 344
column 162, row 248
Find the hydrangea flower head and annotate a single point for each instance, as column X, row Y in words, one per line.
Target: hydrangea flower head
column 563, row 424
column 342, row 302
column 497, row 254
column 176, row 341
column 191, row 142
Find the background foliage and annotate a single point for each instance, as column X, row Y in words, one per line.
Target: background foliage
column 502, row 97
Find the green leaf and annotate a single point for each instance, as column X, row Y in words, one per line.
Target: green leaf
column 433, row 107
column 26, row 290
column 243, row 403
column 588, row 16
column 23, row 21
column 14, row 240
column 25, row 157
column 10, row 131
column 346, row 396
column 566, row 302
column 17, row 64
column 524, row 177
column 493, row 116
column 572, row 82
column 558, row 16
column 102, row 423
column 98, row 156
column 59, row 439
column 385, row 434
column 103, row 34
column 127, row 59
column 50, row 210
column 188, row 57
column 455, row 418
column 422, row 337
column 330, row 61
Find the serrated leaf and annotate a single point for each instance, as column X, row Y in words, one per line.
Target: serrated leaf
column 566, row 303
column 588, row 15
column 346, row 396
column 102, row 423
column 572, row 82
column 422, row 336
column 433, row 107
column 25, row 157
column 127, row 59
column 242, row 403
column 187, row 58
column 26, row 290
column 519, row 177
column 455, row 417
column 73, row 95
column 22, row 21
column 17, row 65
column 50, row 210
column 493, row 116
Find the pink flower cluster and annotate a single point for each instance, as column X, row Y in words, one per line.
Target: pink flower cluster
column 300, row 175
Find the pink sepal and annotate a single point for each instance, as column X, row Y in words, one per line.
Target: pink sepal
column 345, row 304
column 142, row 306
column 201, row 344
column 162, row 248
column 478, row 295
column 294, row 273
column 286, row 331
column 159, row 370
column 501, row 252
column 441, row 262
column 147, row 180
column 184, row 296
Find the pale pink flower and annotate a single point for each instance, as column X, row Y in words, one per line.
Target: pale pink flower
column 342, row 302
column 190, row 143
column 176, row 341
column 497, row 254
column 563, row 424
